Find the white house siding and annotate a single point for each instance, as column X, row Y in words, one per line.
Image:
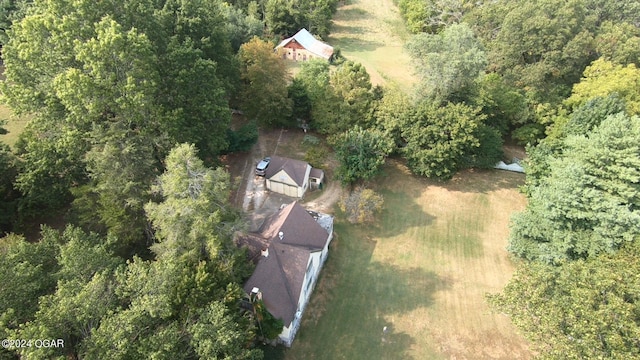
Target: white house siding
column 289, row 332
column 287, row 336
column 282, row 183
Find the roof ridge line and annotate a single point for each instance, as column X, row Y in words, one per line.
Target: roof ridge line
column 284, row 276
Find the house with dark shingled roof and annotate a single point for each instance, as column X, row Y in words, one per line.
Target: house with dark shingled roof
column 289, row 251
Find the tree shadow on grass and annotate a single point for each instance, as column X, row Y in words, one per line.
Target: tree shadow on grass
column 351, row 14
column 353, row 44
column 347, row 29
column 400, row 213
column 355, row 299
column 484, row 180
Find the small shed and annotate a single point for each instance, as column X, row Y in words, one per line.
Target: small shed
column 316, row 178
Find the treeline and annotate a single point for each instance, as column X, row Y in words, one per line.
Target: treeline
column 74, row 288
column 562, row 77
column 146, row 267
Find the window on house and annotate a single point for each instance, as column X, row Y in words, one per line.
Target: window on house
column 309, row 269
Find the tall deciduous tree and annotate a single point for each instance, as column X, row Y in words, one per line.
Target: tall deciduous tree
column 504, row 105
column 447, row 63
column 314, row 76
column 286, row 17
column 265, row 79
column 8, row 194
column 432, row 16
column 347, row 100
column 27, row 272
column 587, row 309
column 361, row 153
column 619, row 42
column 439, row 137
column 603, row 78
column 153, row 73
column 543, row 46
column 241, row 26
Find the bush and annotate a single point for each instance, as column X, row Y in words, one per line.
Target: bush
column 489, row 152
column 242, row 139
column 316, row 156
column 361, row 205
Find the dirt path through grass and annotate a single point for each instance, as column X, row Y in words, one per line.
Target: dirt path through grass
column 372, row 32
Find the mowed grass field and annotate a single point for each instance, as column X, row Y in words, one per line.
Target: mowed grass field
column 372, row 33
column 422, row 271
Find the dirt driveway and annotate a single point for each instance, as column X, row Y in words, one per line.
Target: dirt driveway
column 255, row 200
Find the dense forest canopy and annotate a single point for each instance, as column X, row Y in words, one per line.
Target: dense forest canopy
column 130, row 107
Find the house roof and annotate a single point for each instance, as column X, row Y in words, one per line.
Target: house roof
column 296, row 169
column 280, row 278
column 280, row 275
column 304, row 38
column 316, row 173
column 297, row 226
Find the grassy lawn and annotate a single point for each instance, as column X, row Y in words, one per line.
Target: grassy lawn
column 423, row 272
column 372, row 32
column 14, row 126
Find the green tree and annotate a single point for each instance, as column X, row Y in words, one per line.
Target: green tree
column 447, row 63
column 286, row 17
column 217, row 333
column 504, row 105
column 347, row 100
column 10, row 11
column 590, row 114
column 415, row 14
column 361, row 153
column 163, row 71
column 619, row 42
column 83, row 293
column 8, row 195
column 392, row 113
column 580, row 122
column 542, row 46
column 173, row 310
column 194, row 219
column 319, row 14
column 241, row 26
column 489, row 150
column 432, row 16
column 301, row 103
column 439, row 137
column 265, row 79
column 586, row 309
column 51, row 163
column 587, row 205
column 314, row 77
column 27, row 272
column 603, row 78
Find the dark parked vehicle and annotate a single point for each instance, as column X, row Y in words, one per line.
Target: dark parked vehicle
column 262, row 166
